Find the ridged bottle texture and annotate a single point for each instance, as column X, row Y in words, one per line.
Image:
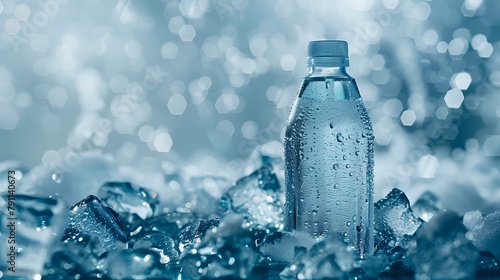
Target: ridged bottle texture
column 329, row 156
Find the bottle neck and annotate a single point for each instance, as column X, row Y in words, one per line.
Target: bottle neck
column 328, row 71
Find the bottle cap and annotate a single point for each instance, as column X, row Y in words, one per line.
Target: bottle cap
column 327, row 53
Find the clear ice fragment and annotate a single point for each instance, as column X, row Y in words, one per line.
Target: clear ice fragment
column 193, row 233
column 228, row 251
column 426, row 206
column 281, row 245
column 72, row 259
column 125, row 198
column 397, row 262
column 442, row 251
column 257, row 198
column 159, row 242
column 487, row 263
column 330, row 258
column 170, row 224
column 484, row 231
column 91, row 217
column 394, row 218
column 35, row 224
column 136, row 264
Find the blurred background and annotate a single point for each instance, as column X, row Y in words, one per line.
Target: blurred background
column 197, row 85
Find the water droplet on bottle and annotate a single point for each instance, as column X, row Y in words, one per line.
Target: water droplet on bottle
column 314, row 212
column 336, row 166
column 358, row 228
column 331, row 125
column 340, row 138
column 337, row 202
column 351, row 174
column 348, row 223
column 344, row 157
column 310, row 149
column 57, row 177
column 335, row 186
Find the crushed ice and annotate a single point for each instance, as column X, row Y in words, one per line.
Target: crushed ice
column 237, row 233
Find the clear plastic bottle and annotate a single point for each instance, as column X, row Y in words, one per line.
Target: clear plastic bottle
column 329, row 152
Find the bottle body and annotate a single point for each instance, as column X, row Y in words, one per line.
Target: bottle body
column 329, row 160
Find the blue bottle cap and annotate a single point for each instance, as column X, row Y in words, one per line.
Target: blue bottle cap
column 327, row 53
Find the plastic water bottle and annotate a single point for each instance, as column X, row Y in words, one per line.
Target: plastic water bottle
column 329, row 152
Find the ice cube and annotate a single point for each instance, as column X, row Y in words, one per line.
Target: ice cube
column 228, row 251
column 137, row 264
column 329, row 258
column 484, row 231
column 170, row 224
column 281, row 245
column 192, row 233
column 397, row 262
column 473, row 219
column 487, row 263
column 262, row 156
column 394, row 218
column 127, row 199
column 200, row 203
column 159, row 242
column 426, row 206
column 35, row 224
column 71, row 260
column 91, row 217
column 257, row 198
column 442, row 251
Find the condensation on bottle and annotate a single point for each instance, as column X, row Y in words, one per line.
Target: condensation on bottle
column 329, row 152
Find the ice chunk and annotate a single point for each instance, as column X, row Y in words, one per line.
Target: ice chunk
column 426, row 206
column 257, row 198
column 170, row 224
column 137, row 264
column 473, row 219
column 442, row 251
column 159, row 242
column 35, row 224
column 265, row 155
column 91, row 217
column 281, row 245
column 397, row 262
column 127, row 199
column 329, row 258
column 192, row 233
column 394, row 218
column 200, row 202
column 72, row 259
column 487, row 263
column 228, row 251
column 484, row 231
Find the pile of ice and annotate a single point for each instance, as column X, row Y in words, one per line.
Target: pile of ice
column 122, row 230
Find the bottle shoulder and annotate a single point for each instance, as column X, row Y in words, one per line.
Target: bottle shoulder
column 329, row 87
